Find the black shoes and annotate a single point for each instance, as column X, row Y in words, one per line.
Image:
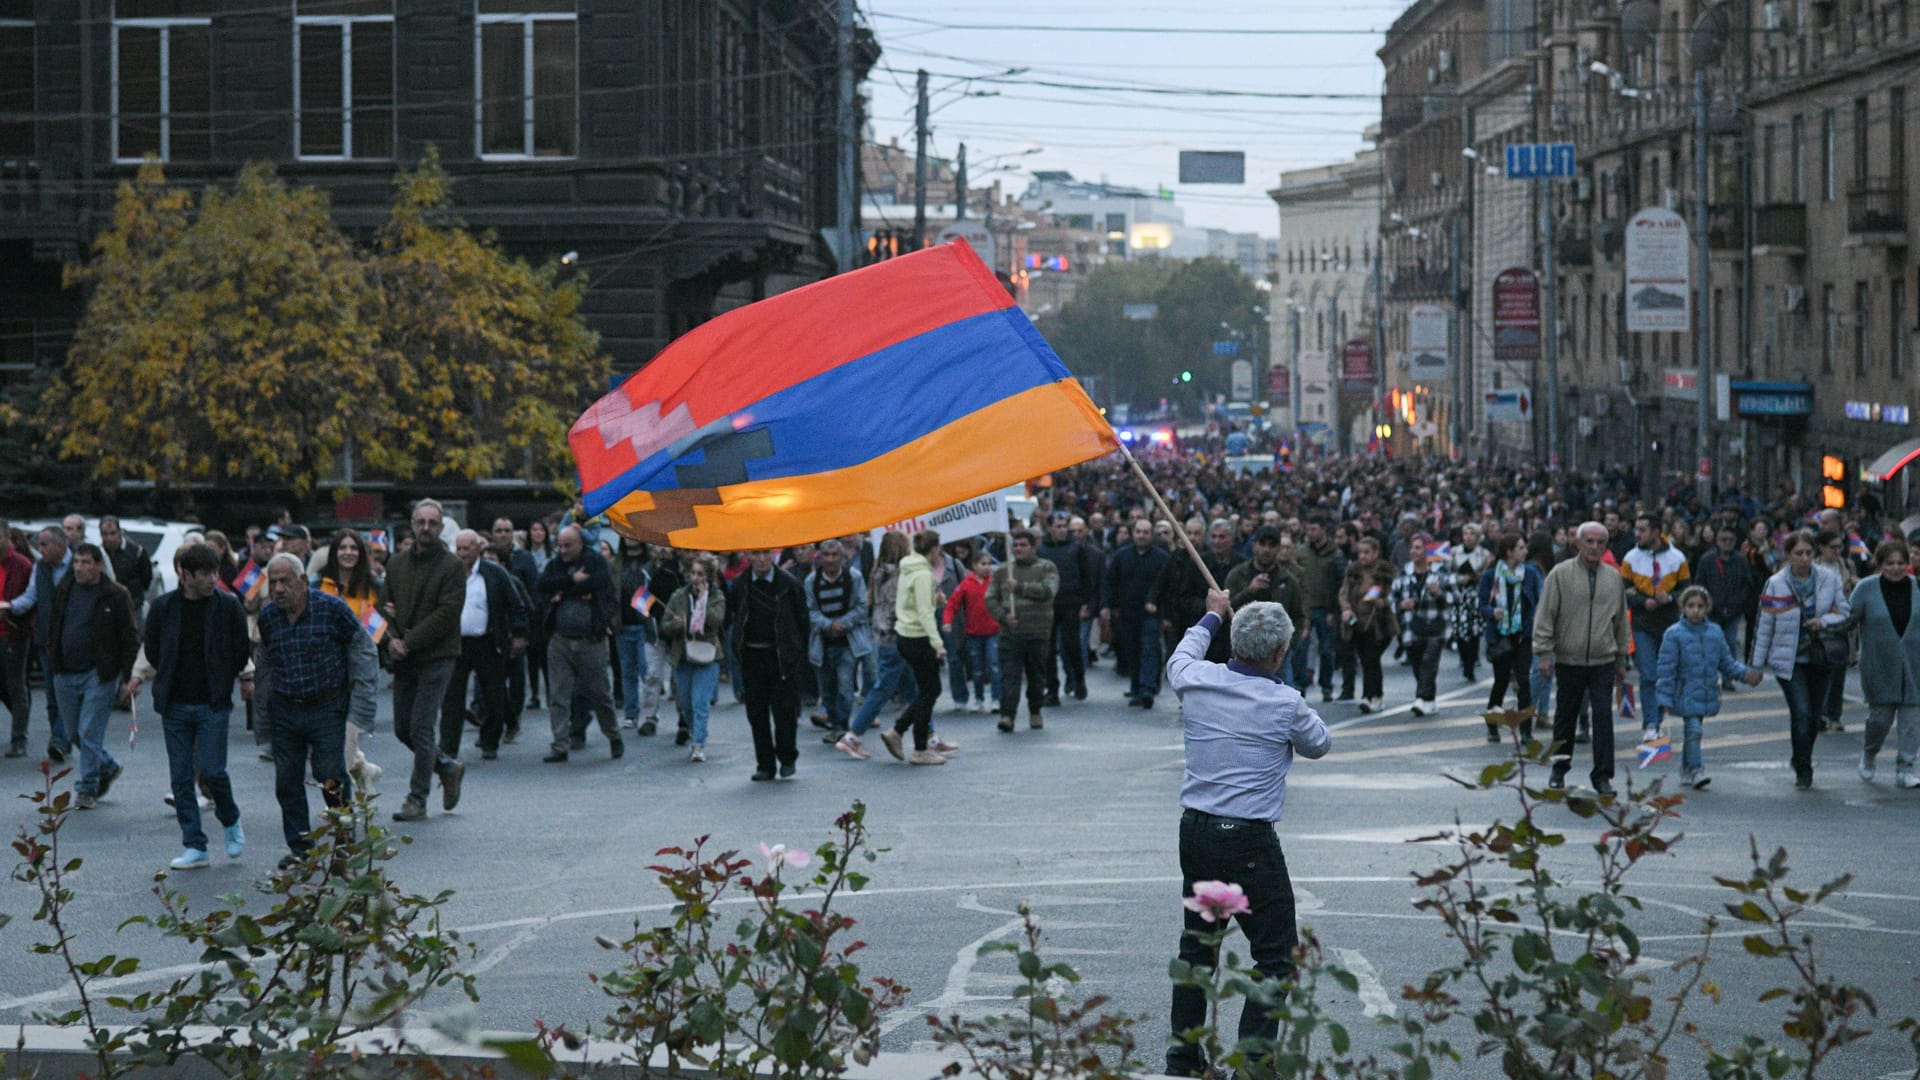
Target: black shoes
column 450, row 778
column 1803, row 781
column 1603, row 788
column 1080, row 692
column 489, row 755
column 56, row 755
column 1051, row 701
column 555, row 758
column 1557, row 781
column 17, row 750
column 682, row 737
column 1493, row 734
column 617, row 749
column 786, row 771
column 649, row 727
column 107, row 778
column 579, row 742
column 762, row 775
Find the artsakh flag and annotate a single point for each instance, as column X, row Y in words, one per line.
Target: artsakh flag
column 1655, row 750
column 865, row 399
column 1440, row 550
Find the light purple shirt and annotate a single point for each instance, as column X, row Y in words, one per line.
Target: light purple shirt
column 1242, row 728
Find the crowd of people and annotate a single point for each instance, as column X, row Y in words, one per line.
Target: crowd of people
column 1559, row 584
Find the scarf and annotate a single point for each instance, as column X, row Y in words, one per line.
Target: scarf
column 697, row 622
column 1512, row 581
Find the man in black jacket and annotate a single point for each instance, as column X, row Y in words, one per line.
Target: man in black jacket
column 1126, row 602
column 493, row 630
column 131, row 564
column 581, row 612
column 1079, row 574
column 1724, row 573
column 519, row 562
column 768, row 627
column 91, row 642
column 196, row 649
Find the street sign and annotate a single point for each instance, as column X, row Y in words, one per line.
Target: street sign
column 1516, row 315
column 1508, row 406
column 1226, row 348
column 1541, row 161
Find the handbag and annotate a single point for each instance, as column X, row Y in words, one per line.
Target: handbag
column 701, row 652
column 1502, row 646
column 1829, row 648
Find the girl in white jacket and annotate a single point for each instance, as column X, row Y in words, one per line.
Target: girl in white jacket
column 1800, row 606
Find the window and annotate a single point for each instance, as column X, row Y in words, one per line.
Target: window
column 1862, row 297
column 1860, row 133
column 343, row 79
column 162, row 94
column 1829, row 152
column 1829, row 341
column 1897, row 136
column 1769, row 328
column 16, row 79
column 1766, row 163
column 1897, row 327
column 1796, row 154
column 525, row 84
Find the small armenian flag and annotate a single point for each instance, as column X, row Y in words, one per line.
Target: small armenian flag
column 642, row 601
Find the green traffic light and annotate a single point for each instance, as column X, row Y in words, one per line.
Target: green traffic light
column 1186, row 376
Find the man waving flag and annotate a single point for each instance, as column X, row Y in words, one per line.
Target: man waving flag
column 868, row 398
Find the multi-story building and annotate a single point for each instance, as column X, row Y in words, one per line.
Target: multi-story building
column 1135, row 223
column 1323, row 296
column 683, row 151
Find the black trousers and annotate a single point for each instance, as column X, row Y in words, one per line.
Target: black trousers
column 1370, row 648
column 925, row 665
column 1513, row 666
column 1063, row 645
column 773, row 709
column 1574, row 686
column 480, row 660
column 1022, row 656
column 1424, row 653
column 1248, row 854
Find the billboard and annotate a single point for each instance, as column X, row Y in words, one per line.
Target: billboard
column 1657, row 272
column 1242, row 381
column 1427, row 344
column 1516, row 315
column 1356, row 366
column 1213, row 167
column 1279, row 386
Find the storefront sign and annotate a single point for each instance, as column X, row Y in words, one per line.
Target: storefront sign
column 1878, row 413
column 1242, row 381
column 1427, row 343
column 1775, row 399
column 1516, row 315
column 1279, row 386
column 1508, row 406
column 1681, row 384
column 1657, row 272
column 1356, row 368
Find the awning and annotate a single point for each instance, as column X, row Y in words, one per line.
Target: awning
column 1888, row 464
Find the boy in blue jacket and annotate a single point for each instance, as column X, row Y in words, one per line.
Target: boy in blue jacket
column 1694, row 657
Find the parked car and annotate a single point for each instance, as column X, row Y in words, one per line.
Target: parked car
column 160, row 539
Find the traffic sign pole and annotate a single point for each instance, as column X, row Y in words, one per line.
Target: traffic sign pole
column 1547, row 161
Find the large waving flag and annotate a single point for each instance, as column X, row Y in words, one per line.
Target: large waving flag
column 868, row 398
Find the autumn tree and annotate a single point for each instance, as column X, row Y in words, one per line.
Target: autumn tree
column 228, row 345
column 485, row 355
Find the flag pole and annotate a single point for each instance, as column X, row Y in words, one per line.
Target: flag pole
column 1179, row 530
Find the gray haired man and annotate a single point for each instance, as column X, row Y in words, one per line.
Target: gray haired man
column 1243, row 726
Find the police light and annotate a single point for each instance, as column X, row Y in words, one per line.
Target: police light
column 1163, row 437
column 1126, row 435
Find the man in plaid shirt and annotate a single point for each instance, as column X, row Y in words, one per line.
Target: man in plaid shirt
column 1423, row 594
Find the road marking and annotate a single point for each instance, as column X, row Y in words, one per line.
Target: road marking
column 1707, row 743
column 1373, row 997
column 1450, row 695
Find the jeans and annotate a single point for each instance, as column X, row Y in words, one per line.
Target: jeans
column 1022, row 657
column 694, row 684
column 1370, row 648
column 956, row 642
column 1324, row 640
column 920, row 658
column 1065, row 645
column 479, row 659
column 196, row 737
column 1808, row 686
column 1542, row 687
column 1691, row 727
column 1136, row 643
column 1836, row 699
column 303, row 733
column 1646, row 661
column 1424, row 654
column 1730, row 628
column 894, row 674
column 60, row 732
column 983, row 662
column 419, row 691
column 1248, row 854
column 13, row 683
column 88, row 700
column 578, row 664
column 630, row 644
column 836, row 672
column 1880, row 720
column 1297, row 668
column 773, row 709
column 659, row 679
column 1592, row 686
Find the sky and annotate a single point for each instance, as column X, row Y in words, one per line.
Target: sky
column 1128, row 95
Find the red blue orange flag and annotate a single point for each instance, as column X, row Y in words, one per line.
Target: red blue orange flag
column 864, row 399
column 642, row 601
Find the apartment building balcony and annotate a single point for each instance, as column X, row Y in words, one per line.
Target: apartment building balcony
column 1780, row 229
column 1420, row 283
column 1876, row 213
column 1726, row 227
column 1573, row 245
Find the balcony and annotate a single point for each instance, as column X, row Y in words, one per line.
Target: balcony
column 1417, row 283
column 1876, row 213
column 1726, row 227
column 1573, row 246
column 1780, row 229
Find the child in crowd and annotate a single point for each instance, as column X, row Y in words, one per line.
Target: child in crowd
column 969, row 603
column 1694, row 657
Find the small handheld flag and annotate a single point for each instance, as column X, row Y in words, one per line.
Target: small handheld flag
column 1440, row 550
column 1655, row 750
column 642, row 601
column 1374, row 592
column 1626, row 701
column 375, row 626
column 1857, row 547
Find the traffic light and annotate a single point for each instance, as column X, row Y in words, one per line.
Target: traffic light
column 1833, row 494
column 1186, row 376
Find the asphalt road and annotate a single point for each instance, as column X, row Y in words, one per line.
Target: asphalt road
column 1077, row 820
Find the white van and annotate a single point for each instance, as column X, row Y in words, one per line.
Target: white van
column 160, row 539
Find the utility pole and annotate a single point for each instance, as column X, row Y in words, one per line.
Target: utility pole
column 960, row 184
column 1551, row 327
column 920, row 161
column 1456, row 341
column 846, row 199
column 1293, row 377
column 1703, row 328
column 1379, row 324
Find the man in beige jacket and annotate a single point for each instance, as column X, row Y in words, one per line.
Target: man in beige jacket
column 1580, row 639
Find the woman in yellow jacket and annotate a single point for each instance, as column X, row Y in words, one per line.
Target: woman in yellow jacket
column 348, row 574
column 916, row 629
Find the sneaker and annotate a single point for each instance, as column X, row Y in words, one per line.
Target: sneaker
column 190, row 859
column 236, row 840
column 1687, row 775
column 849, row 745
column 1557, row 782
column 1866, row 766
column 1701, row 780
column 1649, row 733
column 85, row 802
column 649, row 727
column 1051, row 701
column 1005, row 725
column 450, row 779
column 411, row 810
column 1366, row 706
column 107, row 777
column 629, row 722
column 1036, row 721
column 786, row 771
column 941, row 746
column 892, row 740
column 1904, row 778
column 833, row 736
column 925, row 757
column 698, row 755
column 56, row 755
column 17, row 750
column 1803, row 781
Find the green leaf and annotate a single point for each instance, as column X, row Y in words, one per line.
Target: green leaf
column 527, row 1055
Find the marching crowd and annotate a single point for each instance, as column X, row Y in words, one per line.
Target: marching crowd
column 1560, row 584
